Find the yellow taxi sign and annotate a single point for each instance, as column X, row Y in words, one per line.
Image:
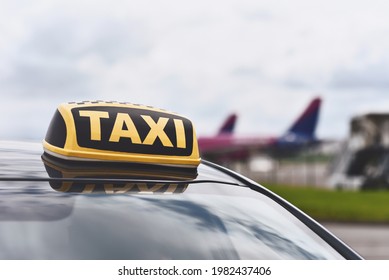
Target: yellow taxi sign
column 125, row 132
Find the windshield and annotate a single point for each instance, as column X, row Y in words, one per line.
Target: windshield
column 207, row 221
column 204, row 221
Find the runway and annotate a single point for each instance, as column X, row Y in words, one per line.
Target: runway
column 370, row 241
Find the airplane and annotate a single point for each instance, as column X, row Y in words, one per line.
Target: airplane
column 228, row 125
column 225, row 146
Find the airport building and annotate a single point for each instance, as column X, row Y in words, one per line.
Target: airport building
column 363, row 162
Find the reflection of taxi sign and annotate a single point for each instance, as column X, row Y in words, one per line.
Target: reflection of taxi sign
column 115, row 177
column 111, row 131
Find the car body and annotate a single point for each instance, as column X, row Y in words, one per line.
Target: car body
column 216, row 215
column 117, row 180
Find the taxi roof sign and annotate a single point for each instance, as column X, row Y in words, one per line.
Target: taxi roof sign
column 125, row 132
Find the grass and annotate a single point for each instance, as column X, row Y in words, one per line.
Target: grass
column 336, row 205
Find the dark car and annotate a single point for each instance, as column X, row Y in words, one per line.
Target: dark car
column 54, row 206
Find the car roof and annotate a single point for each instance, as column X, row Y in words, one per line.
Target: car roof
column 23, row 160
column 24, row 186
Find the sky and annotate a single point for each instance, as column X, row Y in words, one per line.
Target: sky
column 264, row 60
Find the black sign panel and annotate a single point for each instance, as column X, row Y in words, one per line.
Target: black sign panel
column 133, row 130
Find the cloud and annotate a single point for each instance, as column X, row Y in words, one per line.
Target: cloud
column 201, row 59
column 371, row 76
column 50, row 61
